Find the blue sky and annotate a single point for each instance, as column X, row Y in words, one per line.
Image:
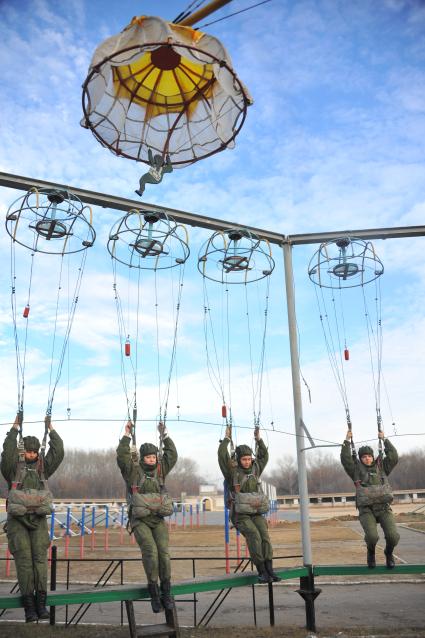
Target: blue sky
column 333, row 141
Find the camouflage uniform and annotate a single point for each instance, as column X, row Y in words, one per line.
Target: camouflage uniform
column 151, row 532
column 28, row 536
column 252, row 526
column 380, row 513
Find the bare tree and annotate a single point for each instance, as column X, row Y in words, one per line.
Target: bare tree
column 285, row 476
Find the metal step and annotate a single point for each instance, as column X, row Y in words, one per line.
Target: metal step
column 170, row 628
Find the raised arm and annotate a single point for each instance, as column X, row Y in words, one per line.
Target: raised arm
column 169, row 456
column 54, row 456
column 391, row 456
column 124, row 460
column 262, row 457
column 348, row 463
column 9, row 457
column 224, row 459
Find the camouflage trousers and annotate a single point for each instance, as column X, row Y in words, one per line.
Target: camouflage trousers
column 369, row 518
column 29, row 549
column 152, row 538
column 254, row 529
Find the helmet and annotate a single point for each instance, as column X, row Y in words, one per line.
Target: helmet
column 31, row 444
column 365, row 449
column 243, row 450
column 148, row 448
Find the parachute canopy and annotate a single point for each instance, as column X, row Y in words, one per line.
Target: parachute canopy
column 164, row 87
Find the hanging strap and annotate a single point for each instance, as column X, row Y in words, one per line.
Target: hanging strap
column 380, row 441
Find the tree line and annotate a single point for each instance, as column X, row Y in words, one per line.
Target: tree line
column 95, row 474
column 325, row 473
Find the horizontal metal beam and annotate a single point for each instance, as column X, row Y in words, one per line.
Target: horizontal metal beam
column 370, row 233
column 121, row 203
column 94, row 198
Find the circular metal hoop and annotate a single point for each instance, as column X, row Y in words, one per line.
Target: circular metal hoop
column 345, row 263
column 149, row 241
column 186, row 127
column 235, row 256
column 51, row 222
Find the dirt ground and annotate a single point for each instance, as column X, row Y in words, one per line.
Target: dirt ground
column 15, row 630
column 330, row 538
column 334, row 542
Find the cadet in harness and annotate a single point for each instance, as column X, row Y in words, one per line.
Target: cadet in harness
column 247, row 501
column 148, row 503
column 26, row 472
column 373, row 494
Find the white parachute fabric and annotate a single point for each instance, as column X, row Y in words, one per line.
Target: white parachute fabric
column 163, row 87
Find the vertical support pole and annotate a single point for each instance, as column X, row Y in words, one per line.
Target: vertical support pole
column 226, row 538
column 8, row 561
column 197, row 514
column 122, row 525
column 204, row 515
column 238, row 545
column 296, row 389
column 106, row 544
column 309, row 593
column 83, row 530
column 93, row 525
column 184, row 515
column 271, row 604
column 51, row 532
column 67, row 531
column 53, row 572
column 191, row 516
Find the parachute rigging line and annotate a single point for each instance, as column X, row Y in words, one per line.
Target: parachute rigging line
column 64, row 348
column 45, row 222
column 337, row 265
column 256, row 387
column 145, row 240
column 189, row 10
column 233, row 256
column 230, row 15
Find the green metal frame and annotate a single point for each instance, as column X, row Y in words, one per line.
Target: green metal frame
column 126, row 592
column 116, row 594
column 355, row 570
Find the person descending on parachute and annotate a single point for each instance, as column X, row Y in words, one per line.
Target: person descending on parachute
column 148, row 504
column 373, row 494
column 247, row 501
column 26, row 471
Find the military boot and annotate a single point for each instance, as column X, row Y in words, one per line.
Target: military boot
column 40, row 603
column 269, row 569
column 389, row 557
column 166, row 597
column 153, row 590
column 29, row 608
column 371, row 562
column 263, row 574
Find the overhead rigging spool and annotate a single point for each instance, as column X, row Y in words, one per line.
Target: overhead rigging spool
column 235, row 256
column 51, row 221
column 56, row 224
column 343, row 263
column 149, row 241
column 145, row 241
column 163, row 88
